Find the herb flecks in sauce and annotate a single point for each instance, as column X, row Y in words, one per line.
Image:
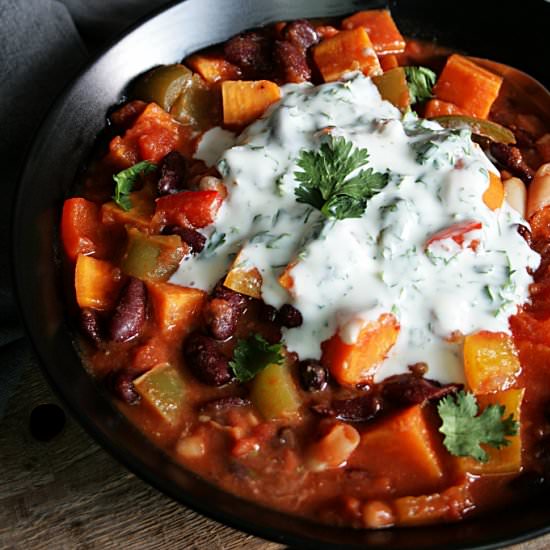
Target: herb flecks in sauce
column 337, row 264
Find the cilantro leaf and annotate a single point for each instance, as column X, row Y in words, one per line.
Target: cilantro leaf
column 125, row 180
column 325, row 183
column 252, row 355
column 420, row 81
column 464, row 431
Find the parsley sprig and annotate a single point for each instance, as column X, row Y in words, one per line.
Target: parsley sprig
column 125, row 181
column 465, row 430
column 325, row 183
column 253, row 354
column 420, row 81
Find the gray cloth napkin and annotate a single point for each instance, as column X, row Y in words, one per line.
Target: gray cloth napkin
column 43, row 43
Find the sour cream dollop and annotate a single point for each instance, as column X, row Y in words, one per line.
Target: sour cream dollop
column 350, row 271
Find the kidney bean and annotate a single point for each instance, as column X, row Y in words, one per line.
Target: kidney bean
column 122, row 385
column 206, row 361
column 223, row 311
column 313, row 376
column 356, row 409
column 267, row 313
column 130, row 313
column 173, row 171
column 250, row 52
column 511, row 158
column 291, row 62
column 191, row 237
column 288, row 316
column 91, row 325
column 408, row 389
column 418, row 369
column 301, row 33
column 525, row 233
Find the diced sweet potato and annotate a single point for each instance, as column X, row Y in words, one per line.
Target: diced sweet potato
column 285, row 279
column 436, row 107
column 163, row 390
column 471, row 88
column 490, row 362
column 80, row 227
column 393, row 87
column 381, row 28
column 506, row 460
column 244, row 278
column 213, row 68
column 177, row 309
column 401, row 448
column 494, row 194
column 140, row 215
column 97, row 283
column 356, row 363
column 448, row 505
column 388, row 62
column 246, row 100
column 346, row 52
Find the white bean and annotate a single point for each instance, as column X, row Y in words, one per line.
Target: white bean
column 539, row 190
column 516, row 194
column 333, row 449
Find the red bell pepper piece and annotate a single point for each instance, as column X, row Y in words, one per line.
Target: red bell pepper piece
column 457, row 233
column 195, row 208
column 80, row 227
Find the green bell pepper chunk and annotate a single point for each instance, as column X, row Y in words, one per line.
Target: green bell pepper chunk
column 163, row 389
column 478, row 126
column 152, row 257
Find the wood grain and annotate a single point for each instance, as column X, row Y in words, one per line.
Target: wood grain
column 68, row 493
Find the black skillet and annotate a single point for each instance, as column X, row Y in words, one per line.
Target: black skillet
column 513, row 33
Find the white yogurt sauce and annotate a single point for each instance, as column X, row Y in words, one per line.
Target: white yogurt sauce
column 353, row 270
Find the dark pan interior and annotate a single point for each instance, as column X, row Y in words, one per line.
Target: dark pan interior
column 484, row 28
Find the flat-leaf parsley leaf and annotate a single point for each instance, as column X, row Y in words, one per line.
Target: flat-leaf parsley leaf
column 253, row 354
column 125, row 180
column 325, row 183
column 465, row 430
column 420, row 81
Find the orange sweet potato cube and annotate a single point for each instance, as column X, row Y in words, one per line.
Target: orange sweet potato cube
column 381, row 28
column 246, row 100
column 491, row 363
column 177, row 309
column 494, row 194
column 469, row 86
column 355, row 363
column 346, row 52
column 406, row 441
column 97, row 283
column 506, row 460
column 140, row 214
column 213, row 68
column 436, row 107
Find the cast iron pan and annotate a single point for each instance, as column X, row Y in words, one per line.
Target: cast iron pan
column 512, row 33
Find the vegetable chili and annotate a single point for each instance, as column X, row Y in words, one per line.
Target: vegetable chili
column 312, row 265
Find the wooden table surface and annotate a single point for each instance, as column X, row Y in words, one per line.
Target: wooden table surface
column 69, row 493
